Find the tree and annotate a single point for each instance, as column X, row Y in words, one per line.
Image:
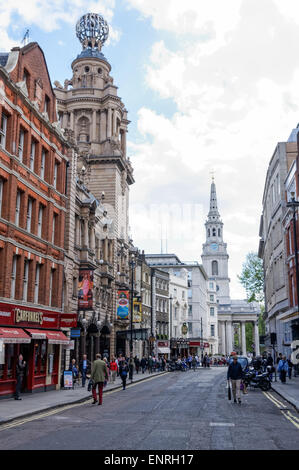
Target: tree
column 252, row 278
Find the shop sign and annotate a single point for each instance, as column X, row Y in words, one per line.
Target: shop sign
column 68, row 379
column 70, row 346
column 28, row 316
column 163, row 344
column 206, row 345
column 85, row 286
column 68, row 320
column 75, row 333
column 123, row 304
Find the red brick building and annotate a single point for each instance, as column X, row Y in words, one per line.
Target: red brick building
column 33, row 162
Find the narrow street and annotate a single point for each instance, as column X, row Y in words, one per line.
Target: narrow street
column 176, row 411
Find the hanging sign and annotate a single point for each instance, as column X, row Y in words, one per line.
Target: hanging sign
column 85, row 286
column 123, row 305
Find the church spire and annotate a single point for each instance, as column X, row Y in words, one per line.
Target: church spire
column 213, row 214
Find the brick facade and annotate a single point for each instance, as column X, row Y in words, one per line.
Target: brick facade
column 31, row 199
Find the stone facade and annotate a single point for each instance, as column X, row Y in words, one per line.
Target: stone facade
column 88, row 106
column 272, row 247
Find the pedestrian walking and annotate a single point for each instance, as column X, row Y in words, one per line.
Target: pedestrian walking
column 131, row 368
column 234, row 374
column 113, row 369
column 137, row 364
column 75, row 371
column 150, row 365
column 193, row 363
column 84, row 368
column 283, row 369
column 99, row 374
column 143, row 363
column 20, row 371
column 123, row 372
column 290, row 364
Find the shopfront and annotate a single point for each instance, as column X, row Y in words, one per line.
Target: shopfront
column 163, row 349
column 36, row 335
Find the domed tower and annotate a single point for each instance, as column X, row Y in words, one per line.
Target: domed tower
column 88, row 105
column 95, row 118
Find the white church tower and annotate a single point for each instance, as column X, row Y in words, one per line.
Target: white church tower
column 214, row 256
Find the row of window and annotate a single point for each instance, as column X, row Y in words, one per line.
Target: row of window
column 30, row 287
column 38, row 163
column 162, row 285
column 34, row 222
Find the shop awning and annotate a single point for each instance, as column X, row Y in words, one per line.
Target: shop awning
column 56, row 337
column 14, row 335
column 163, row 350
column 37, row 334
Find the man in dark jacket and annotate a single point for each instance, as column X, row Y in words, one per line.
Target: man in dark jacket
column 20, row 370
column 143, row 364
column 84, row 368
column 234, row 373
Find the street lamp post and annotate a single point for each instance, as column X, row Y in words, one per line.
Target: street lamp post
column 293, row 204
column 132, row 264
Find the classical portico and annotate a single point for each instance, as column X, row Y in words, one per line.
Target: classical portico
column 228, row 324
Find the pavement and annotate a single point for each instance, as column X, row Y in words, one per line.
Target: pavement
column 33, row 403
column 289, row 390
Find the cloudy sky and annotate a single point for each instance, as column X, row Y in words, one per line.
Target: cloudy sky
column 209, row 86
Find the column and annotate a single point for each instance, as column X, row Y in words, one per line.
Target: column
column 72, row 120
column 109, row 123
column 92, row 239
column 85, row 232
column 256, row 339
column 243, row 327
column 229, row 338
column 106, row 250
column 115, row 123
column 223, row 344
column 103, row 120
column 94, row 125
column 65, row 120
column 124, row 142
column 78, row 231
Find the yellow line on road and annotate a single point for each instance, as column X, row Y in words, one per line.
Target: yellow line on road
column 66, row 407
column 277, row 401
column 286, row 413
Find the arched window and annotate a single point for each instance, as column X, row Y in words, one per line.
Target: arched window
column 209, row 232
column 219, row 232
column 214, row 232
column 214, row 268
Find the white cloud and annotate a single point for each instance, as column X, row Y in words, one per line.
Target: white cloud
column 237, row 95
column 49, row 15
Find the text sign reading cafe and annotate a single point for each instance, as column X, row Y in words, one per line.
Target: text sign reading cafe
column 12, row 315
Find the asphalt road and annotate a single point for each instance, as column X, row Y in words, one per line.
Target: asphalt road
column 176, row 411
